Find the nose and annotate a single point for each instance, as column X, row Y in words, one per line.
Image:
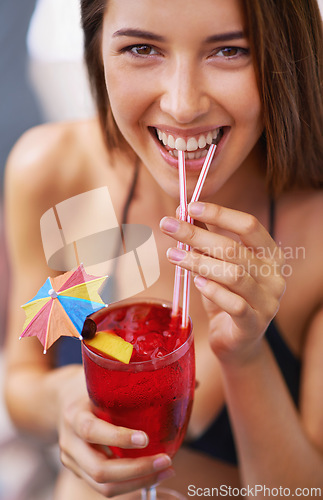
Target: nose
column 184, row 95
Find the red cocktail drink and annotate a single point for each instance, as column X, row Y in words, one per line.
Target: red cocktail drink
column 154, row 393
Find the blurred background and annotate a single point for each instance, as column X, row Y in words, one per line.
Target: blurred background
column 19, row 459
column 42, row 78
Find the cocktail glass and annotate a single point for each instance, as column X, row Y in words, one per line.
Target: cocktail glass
column 154, row 395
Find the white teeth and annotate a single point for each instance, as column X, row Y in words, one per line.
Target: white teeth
column 171, row 141
column 188, row 155
column 202, row 142
column 209, row 138
column 190, row 145
column 180, row 144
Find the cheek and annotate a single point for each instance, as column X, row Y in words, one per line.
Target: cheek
column 128, row 98
column 119, row 92
column 242, row 98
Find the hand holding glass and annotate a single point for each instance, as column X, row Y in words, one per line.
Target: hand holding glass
column 154, row 392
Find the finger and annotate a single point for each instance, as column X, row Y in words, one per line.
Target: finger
column 114, row 489
column 103, row 469
column 246, row 226
column 236, row 316
column 125, row 469
column 195, row 221
column 94, row 430
column 234, row 278
column 260, row 304
column 230, row 276
column 221, row 247
column 227, row 301
column 117, row 488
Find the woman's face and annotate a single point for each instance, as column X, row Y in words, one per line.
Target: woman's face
column 178, row 72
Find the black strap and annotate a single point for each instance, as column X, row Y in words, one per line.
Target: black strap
column 131, row 193
column 272, row 216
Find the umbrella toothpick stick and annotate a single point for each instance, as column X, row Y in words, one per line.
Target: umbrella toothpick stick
column 59, row 225
column 76, row 254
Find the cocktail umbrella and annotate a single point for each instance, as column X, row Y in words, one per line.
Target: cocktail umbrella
column 61, row 306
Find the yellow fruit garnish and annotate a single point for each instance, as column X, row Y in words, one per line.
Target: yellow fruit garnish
column 112, row 345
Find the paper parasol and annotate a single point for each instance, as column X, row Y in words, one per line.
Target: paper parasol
column 61, row 306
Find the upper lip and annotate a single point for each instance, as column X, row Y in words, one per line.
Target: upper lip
column 188, row 132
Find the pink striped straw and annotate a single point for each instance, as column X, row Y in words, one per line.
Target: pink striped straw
column 203, row 173
column 195, row 197
column 182, row 216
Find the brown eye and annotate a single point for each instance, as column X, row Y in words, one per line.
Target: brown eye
column 143, row 50
column 230, row 51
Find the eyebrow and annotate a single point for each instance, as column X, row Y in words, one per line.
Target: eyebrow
column 225, row 37
column 147, row 35
column 136, row 33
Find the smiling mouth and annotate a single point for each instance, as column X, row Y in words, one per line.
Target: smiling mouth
column 194, row 147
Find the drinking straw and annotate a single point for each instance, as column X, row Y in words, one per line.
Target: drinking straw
column 203, row 173
column 186, row 295
column 184, row 216
column 195, row 197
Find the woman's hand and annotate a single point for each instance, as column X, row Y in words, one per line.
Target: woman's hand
column 239, row 276
column 84, row 441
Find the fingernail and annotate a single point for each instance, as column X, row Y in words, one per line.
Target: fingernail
column 162, row 462
column 139, row 439
column 199, row 281
column 176, row 254
column 169, row 224
column 166, row 474
column 196, row 208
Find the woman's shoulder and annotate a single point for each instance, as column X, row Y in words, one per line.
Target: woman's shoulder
column 56, row 161
column 302, row 211
column 300, row 231
column 48, row 156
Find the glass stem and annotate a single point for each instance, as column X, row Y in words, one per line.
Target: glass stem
column 149, row 493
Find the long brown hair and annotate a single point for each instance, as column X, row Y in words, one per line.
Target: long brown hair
column 286, row 41
column 92, row 13
column 287, row 44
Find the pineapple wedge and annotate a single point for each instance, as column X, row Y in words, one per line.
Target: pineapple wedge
column 111, row 344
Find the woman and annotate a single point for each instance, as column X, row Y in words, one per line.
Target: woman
column 164, row 78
